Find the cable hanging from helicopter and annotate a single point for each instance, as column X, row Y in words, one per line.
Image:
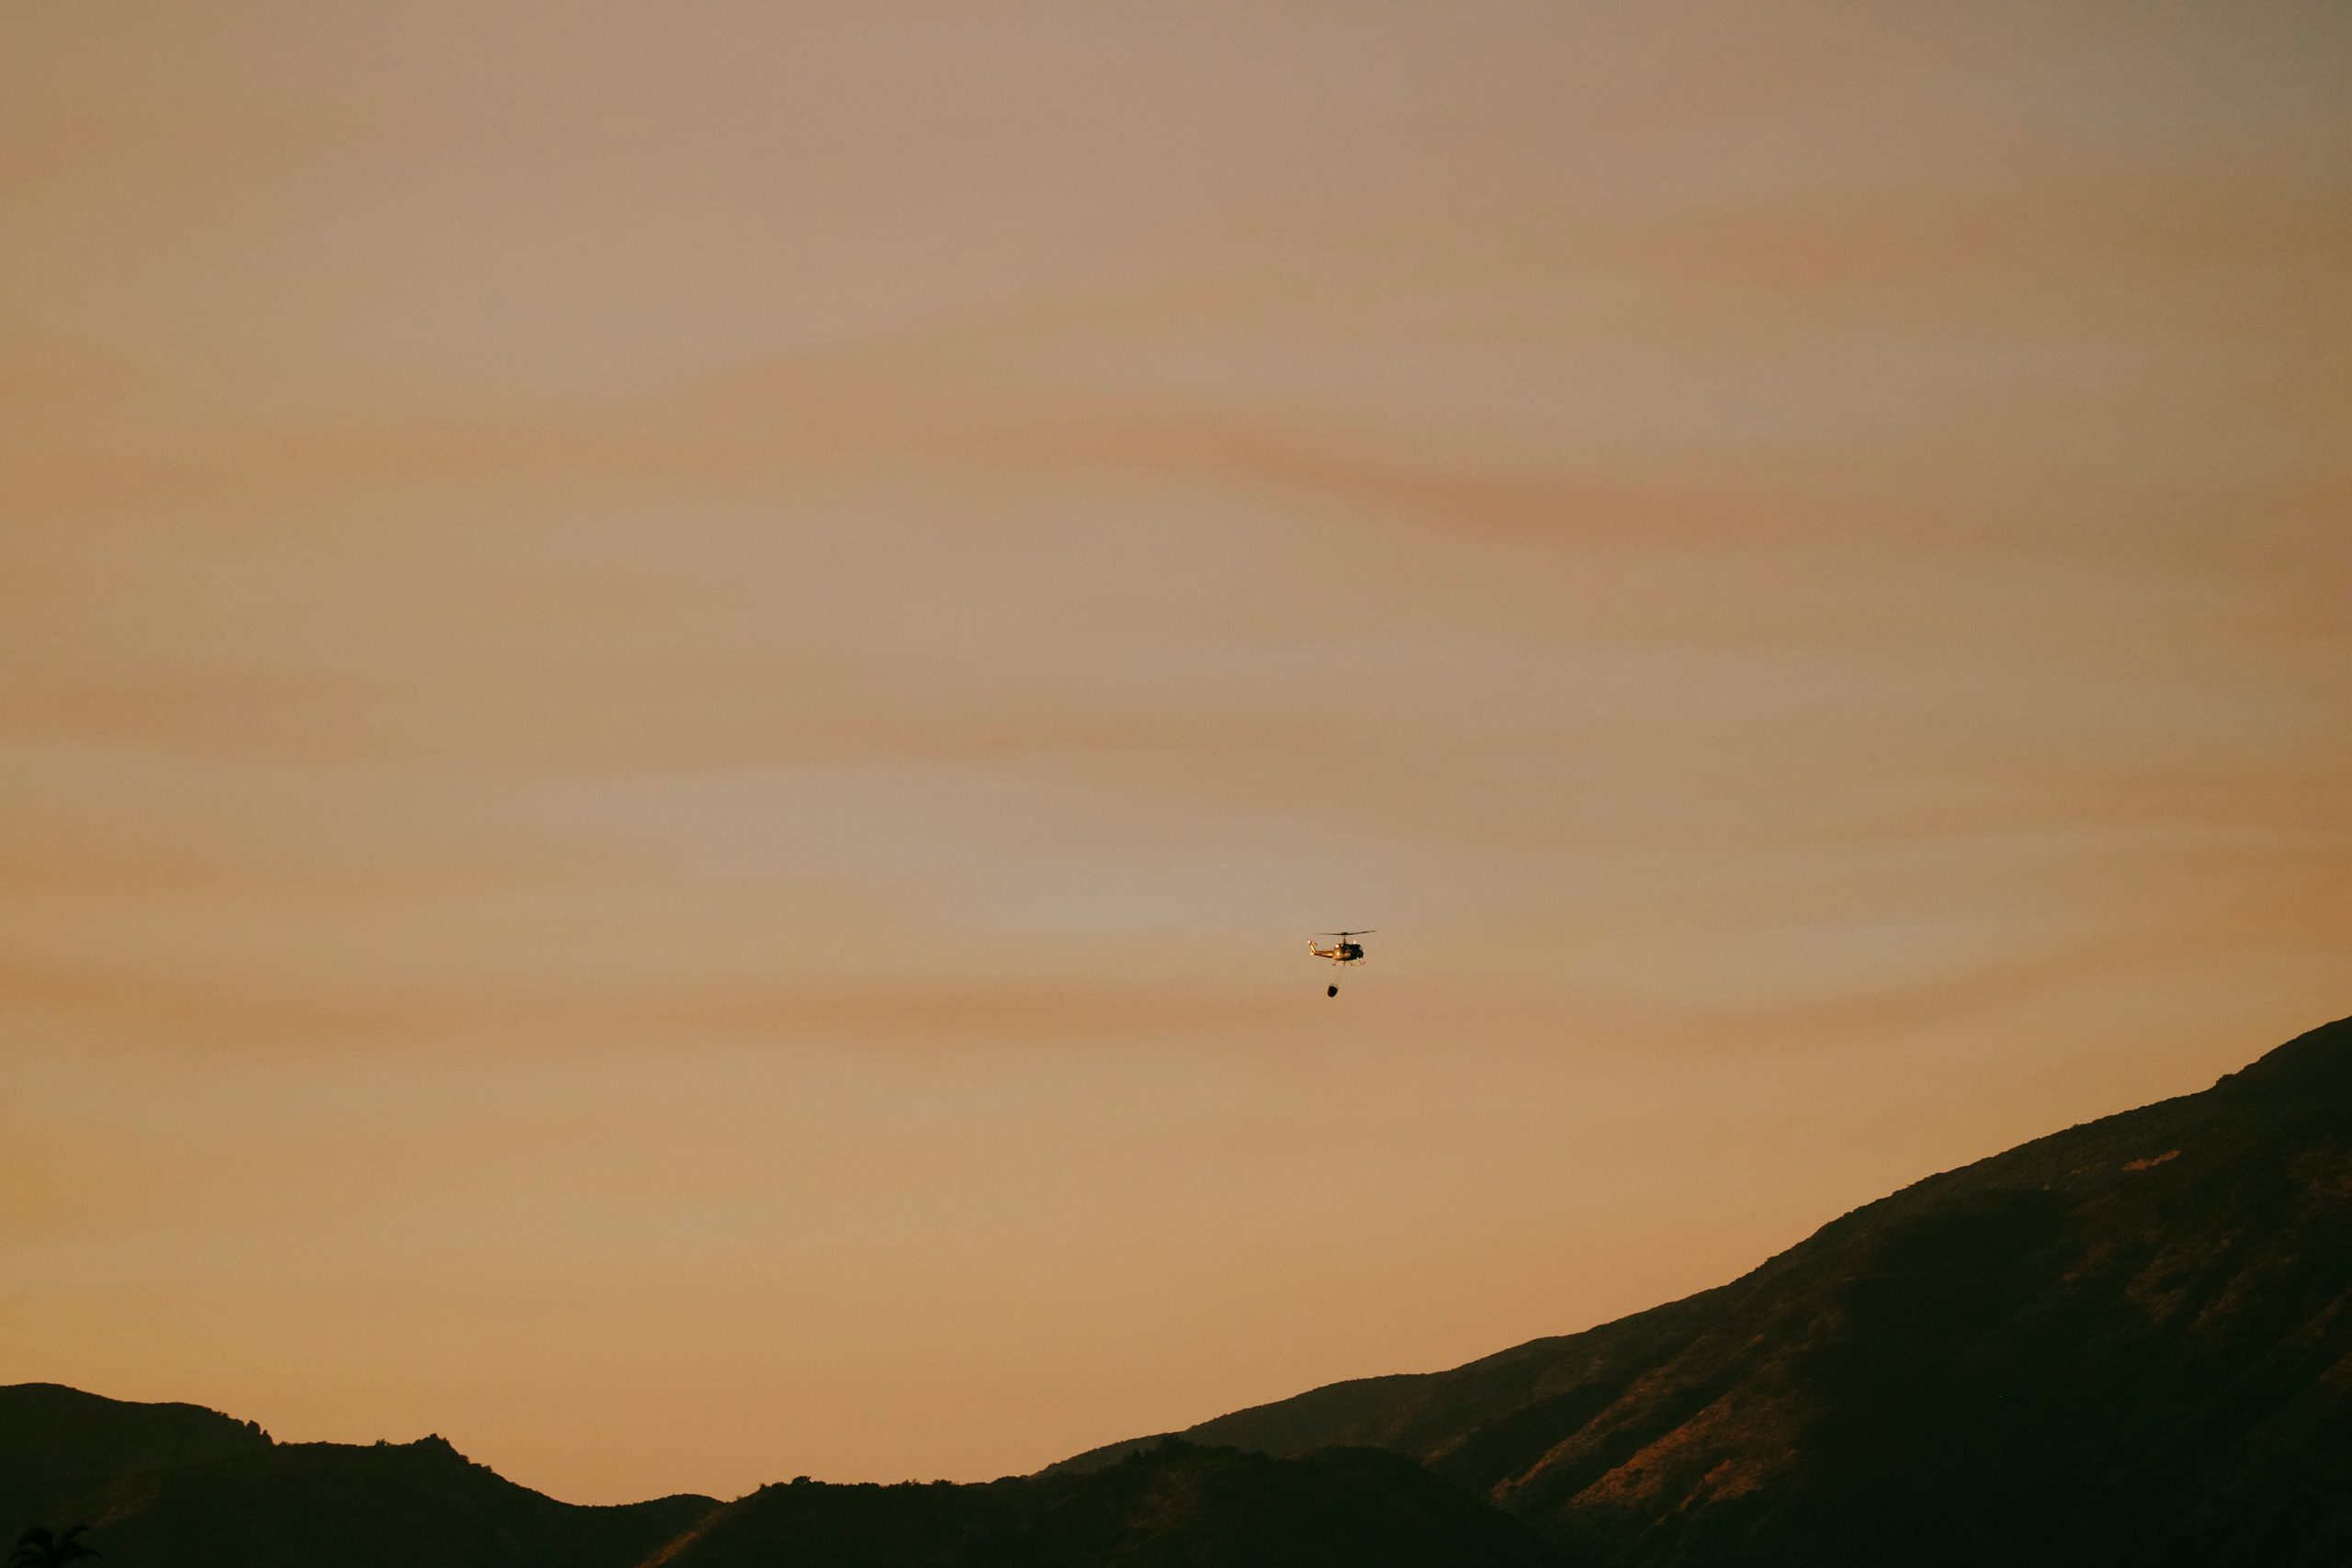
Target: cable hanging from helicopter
column 1342, row 952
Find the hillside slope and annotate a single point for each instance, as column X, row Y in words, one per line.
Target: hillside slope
column 2131, row 1341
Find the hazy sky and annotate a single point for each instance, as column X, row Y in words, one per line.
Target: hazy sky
column 677, row 682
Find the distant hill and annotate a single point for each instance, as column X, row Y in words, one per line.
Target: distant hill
column 2129, row 1342
column 1160, row 1506
column 50, row 1433
column 174, row 1486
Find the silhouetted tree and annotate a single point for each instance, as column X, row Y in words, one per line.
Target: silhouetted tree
column 39, row 1548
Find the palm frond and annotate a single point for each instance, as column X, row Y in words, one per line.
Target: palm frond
column 40, row 1547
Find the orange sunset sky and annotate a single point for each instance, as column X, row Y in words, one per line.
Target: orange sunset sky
column 677, row 682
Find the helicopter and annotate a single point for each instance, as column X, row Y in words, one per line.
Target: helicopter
column 1342, row 951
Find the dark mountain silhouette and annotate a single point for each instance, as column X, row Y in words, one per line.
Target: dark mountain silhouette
column 188, row 1488
column 51, row 1433
column 173, row 1483
column 1162, row 1506
column 2128, row 1342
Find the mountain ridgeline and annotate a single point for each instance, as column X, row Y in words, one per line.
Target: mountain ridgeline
column 2128, row 1342
column 186, row 1488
